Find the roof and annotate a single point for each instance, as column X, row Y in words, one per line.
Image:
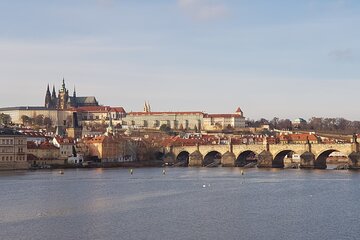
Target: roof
column 43, row 146
column 103, row 109
column 222, row 116
column 85, row 100
column 298, row 137
column 238, row 110
column 162, row 113
column 64, row 141
column 24, row 108
column 9, row 132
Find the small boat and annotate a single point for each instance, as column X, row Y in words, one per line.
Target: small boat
column 61, row 172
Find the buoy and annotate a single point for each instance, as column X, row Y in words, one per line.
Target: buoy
column 204, row 186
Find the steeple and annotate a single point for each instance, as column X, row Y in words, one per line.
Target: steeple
column 53, row 95
column 146, row 108
column 110, row 128
column 48, row 98
column 149, row 107
column 74, row 94
column 63, row 87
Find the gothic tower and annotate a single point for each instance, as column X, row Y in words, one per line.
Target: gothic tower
column 48, row 98
column 53, row 98
column 63, row 97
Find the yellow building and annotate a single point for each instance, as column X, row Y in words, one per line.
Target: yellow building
column 44, row 154
column 13, row 150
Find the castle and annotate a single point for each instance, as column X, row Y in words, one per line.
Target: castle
column 64, row 101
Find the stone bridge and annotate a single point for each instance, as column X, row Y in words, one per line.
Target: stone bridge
column 266, row 155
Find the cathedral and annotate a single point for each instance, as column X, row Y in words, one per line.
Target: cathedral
column 64, row 101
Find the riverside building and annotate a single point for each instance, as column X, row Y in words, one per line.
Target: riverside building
column 13, row 150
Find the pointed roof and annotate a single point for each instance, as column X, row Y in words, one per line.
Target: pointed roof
column 238, row 110
column 53, row 91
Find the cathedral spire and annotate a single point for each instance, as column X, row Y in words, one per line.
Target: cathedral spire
column 48, row 97
column 74, row 94
column 53, row 95
column 63, row 88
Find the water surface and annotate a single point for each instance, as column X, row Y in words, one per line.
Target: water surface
column 185, row 203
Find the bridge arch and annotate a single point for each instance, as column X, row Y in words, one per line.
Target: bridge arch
column 182, row 159
column 279, row 159
column 320, row 161
column 245, row 157
column 212, row 158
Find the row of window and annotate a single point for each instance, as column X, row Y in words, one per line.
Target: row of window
column 11, row 141
column 11, row 150
column 11, row 158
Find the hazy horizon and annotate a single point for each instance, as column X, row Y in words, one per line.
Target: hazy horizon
column 287, row 59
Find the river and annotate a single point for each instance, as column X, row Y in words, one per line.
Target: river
column 184, row 203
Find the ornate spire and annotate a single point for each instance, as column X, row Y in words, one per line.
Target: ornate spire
column 149, row 107
column 53, row 95
column 63, row 88
column 146, row 107
column 74, row 94
column 48, row 97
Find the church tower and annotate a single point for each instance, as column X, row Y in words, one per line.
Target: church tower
column 63, row 97
column 48, row 98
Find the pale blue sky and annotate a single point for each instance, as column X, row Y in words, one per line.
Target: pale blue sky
column 284, row 58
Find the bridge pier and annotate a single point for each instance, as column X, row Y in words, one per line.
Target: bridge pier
column 228, row 159
column 307, row 160
column 354, row 160
column 196, row 159
column 169, row 158
column 265, row 160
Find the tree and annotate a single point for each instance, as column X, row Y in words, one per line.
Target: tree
column 5, row 118
column 165, row 128
column 26, row 119
column 39, row 120
column 47, row 122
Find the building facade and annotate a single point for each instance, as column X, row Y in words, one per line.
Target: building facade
column 13, row 150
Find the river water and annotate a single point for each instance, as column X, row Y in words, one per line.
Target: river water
column 185, row 203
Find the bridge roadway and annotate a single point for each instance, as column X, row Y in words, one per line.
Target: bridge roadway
column 267, row 155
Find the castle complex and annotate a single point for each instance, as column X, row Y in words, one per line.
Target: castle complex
column 64, row 101
column 65, row 110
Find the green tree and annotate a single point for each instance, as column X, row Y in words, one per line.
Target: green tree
column 5, row 118
column 165, row 128
column 47, row 122
column 39, row 120
column 26, row 119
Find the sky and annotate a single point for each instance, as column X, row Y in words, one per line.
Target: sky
column 279, row 58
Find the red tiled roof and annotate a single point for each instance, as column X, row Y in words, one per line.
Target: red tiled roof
column 44, row 145
column 103, row 109
column 161, row 113
column 298, row 137
column 222, row 115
